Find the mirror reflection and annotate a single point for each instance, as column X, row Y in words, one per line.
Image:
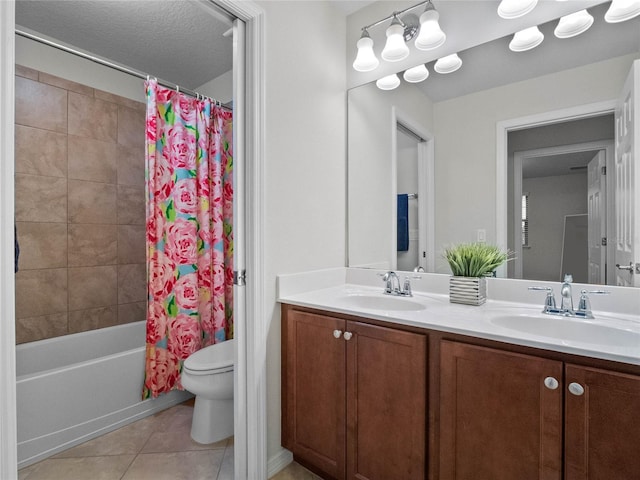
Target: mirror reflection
column 561, row 83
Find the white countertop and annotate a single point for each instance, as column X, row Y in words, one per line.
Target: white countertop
column 329, row 290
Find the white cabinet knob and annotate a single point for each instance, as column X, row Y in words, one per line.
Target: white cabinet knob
column 347, row 335
column 337, row 333
column 576, row 388
column 551, row 383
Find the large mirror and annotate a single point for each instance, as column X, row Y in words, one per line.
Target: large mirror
column 543, row 116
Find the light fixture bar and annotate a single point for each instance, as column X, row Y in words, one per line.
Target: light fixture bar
column 398, row 13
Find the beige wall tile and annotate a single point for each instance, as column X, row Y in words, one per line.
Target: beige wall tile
column 41, row 106
column 132, row 283
column 40, row 152
column 131, row 166
column 92, row 160
column 92, row 287
column 37, row 328
column 131, row 205
column 131, row 244
column 92, row 319
column 42, row 245
column 131, row 126
column 64, row 83
column 41, row 292
column 26, row 72
column 91, row 245
column 92, row 118
column 132, row 312
column 40, row 199
column 91, row 202
column 126, row 102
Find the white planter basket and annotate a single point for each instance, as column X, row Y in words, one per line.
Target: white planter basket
column 468, row 290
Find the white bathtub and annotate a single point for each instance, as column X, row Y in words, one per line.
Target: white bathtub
column 74, row 388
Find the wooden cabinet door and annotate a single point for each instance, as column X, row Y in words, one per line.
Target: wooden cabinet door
column 316, row 391
column 602, row 425
column 386, row 403
column 498, row 420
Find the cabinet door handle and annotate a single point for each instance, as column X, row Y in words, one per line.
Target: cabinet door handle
column 337, row 333
column 576, row 388
column 551, row 383
column 347, row 335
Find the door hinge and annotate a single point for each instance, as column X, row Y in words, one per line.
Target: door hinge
column 604, row 170
column 604, row 241
column 240, row 278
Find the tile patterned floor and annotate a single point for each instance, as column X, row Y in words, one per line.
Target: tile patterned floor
column 158, row 447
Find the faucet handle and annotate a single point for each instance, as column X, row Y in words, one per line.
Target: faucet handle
column 584, row 305
column 406, row 289
column 550, row 300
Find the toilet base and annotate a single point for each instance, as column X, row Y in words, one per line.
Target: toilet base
column 212, row 420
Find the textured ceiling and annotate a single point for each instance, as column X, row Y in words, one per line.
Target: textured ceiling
column 178, row 41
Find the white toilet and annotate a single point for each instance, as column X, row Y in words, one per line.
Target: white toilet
column 208, row 374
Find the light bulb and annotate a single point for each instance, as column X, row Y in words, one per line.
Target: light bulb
column 365, row 60
column 431, row 35
column 448, row 64
column 621, row 10
column 515, row 8
column 526, row 39
column 389, row 82
column 416, row 74
column 395, row 49
column 573, row 24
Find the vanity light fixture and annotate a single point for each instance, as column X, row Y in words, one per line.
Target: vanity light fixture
column 431, row 35
column 416, row 74
column 448, row 64
column 526, row 39
column 389, row 82
column 365, row 60
column 621, row 10
column 509, row 9
column 573, row 24
column 395, row 49
column 404, row 27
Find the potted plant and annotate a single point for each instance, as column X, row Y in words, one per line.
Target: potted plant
column 470, row 264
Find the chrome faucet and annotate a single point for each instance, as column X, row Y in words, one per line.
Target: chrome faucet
column 392, row 285
column 566, row 305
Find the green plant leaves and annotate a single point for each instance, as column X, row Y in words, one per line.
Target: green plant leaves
column 475, row 259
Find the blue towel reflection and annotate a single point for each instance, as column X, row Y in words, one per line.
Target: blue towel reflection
column 403, row 222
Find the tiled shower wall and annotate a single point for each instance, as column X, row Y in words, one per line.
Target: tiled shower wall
column 79, row 211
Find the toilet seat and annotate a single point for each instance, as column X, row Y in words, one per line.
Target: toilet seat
column 217, row 358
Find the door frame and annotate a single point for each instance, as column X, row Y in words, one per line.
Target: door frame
column 518, row 159
column 426, row 189
column 503, row 127
column 250, row 383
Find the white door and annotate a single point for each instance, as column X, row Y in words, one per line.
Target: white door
column 627, row 154
column 596, row 209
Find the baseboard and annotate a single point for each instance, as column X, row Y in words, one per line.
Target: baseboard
column 277, row 462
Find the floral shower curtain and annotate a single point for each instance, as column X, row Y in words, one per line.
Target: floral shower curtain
column 189, row 192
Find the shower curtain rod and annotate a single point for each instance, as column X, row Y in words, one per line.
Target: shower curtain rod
column 115, row 66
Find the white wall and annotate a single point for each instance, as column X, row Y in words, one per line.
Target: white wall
column 370, row 169
column 550, row 199
column 305, row 158
column 220, row 88
column 465, row 133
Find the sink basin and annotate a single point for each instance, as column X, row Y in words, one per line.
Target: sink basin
column 380, row 302
column 569, row 329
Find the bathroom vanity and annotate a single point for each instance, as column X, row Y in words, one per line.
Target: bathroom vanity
column 439, row 392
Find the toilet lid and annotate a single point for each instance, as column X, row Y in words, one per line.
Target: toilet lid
column 217, row 357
